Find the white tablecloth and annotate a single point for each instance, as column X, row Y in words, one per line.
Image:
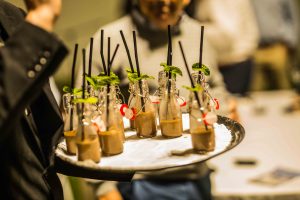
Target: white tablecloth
column 272, row 139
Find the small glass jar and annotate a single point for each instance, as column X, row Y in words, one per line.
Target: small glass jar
column 70, row 123
column 145, row 120
column 87, row 139
column 170, row 116
column 162, row 83
column 111, row 133
column 199, row 79
column 133, row 88
column 202, row 134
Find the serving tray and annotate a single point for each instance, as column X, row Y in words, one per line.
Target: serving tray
column 150, row 154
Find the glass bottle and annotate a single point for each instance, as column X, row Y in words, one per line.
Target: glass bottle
column 162, row 83
column 132, row 101
column 115, row 91
column 199, row 79
column 87, row 139
column 145, row 120
column 111, row 133
column 70, row 123
column 170, row 116
column 202, row 134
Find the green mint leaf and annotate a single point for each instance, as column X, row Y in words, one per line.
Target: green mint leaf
column 173, row 69
column 67, row 89
column 74, row 91
column 197, row 88
column 91, row 100
column 103, row 80
column 204, row 69
column 91, row 81
column 133, row 77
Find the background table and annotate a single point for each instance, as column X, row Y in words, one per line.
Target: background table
column 272, row 139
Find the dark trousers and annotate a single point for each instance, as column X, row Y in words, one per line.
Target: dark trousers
column 167, row 190
column 237, row 76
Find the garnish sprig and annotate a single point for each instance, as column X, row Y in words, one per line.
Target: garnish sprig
column 201, row 68
column 173, row 70
column 133, row 76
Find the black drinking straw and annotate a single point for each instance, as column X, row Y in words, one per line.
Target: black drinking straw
column 73, row 82
column 169, row 62
column 170, row 52
column 108, row 57
column 83, row 90
column 101, row 51
column 201, row 47
column 136, row 55
column 138, row 68
column 127, row 51
column 191, row 80
column 74, row 65
column 113, row 57
column 108, row 86
column 90, row 58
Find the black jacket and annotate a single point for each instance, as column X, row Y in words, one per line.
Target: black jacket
column 27, row 139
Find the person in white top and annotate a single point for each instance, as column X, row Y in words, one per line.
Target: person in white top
column 234, row 31
column 150, row 18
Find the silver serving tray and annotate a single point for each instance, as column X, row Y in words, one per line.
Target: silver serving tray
column 150, row 154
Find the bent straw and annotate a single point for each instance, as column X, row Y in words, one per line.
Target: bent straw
column 127, row 51
column 191, row 80
column 101, row 51
column 73, row 82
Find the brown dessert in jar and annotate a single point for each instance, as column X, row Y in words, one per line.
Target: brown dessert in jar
column 171, row 128
column 111, row 141
column 70, row 137
column 202, row 139
column 89, row 149
column 145, row 123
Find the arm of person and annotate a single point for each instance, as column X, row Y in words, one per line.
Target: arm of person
column 228, row 103
column 29, row 57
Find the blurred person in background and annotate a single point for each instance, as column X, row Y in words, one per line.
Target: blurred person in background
column 277, row 58
column 232, row 27
column 279, row 36
column 30, row 120
column 150, row 18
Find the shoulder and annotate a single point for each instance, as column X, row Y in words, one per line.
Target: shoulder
column 7, row 8
column 113, row 29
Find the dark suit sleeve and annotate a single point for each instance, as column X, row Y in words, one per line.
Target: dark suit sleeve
column 29, row 57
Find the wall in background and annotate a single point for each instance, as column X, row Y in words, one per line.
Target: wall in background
column 78, row 22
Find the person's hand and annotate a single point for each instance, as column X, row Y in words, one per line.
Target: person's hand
column 112, row 195
column 43, row 13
